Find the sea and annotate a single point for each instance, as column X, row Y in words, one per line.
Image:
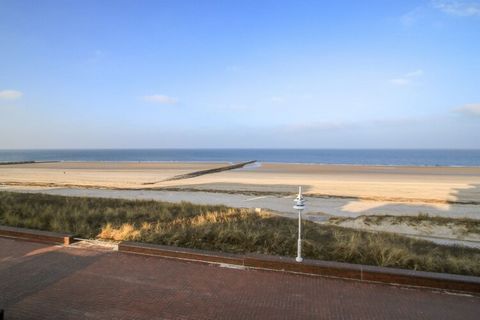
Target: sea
column 388, row 157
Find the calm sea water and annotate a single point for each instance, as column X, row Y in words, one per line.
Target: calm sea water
column 324, row 156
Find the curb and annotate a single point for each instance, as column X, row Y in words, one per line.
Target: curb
column 36, row 235
column 364, row 273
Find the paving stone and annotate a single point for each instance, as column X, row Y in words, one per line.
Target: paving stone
column 39, row 281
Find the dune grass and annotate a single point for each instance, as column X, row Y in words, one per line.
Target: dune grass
column 227, row 229
column 467, row 224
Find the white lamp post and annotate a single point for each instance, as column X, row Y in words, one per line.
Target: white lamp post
column 299, row 206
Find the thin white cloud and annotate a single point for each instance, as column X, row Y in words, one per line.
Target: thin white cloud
column 316, row 126
column 408, row 78
column 291, row 98
column 160, row 99
column 400, row 81
column 472, row 109
column 458, row 7
column 277, row 99
column 410, row 18
column 414, row 74
column 234, row 68
column 96, row 56
column 10, row 94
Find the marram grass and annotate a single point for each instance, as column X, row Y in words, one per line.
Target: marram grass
column 227, row 229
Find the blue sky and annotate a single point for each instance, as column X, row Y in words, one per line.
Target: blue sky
column 217, row 74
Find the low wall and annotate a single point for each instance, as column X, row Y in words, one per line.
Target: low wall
column 443, row 281
column 36, row 235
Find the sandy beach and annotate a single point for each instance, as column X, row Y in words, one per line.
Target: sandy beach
column 435, row 185
column 360, row 187
column 331, row 190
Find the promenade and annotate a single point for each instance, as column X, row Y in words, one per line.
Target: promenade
column 39, row 281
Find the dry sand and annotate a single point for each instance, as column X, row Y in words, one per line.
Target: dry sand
column 334, row 189
column 129, row 175
column 437, row 185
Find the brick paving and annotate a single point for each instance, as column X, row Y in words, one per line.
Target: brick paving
column 39, row 281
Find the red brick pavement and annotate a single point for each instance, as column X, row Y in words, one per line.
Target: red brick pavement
column 51, row 282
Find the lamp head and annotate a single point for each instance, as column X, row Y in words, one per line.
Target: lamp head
column 299, row 200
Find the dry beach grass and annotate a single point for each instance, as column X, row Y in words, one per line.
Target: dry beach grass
column 226, row 229
column 420, row 225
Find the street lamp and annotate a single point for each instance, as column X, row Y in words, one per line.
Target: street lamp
column 299, row 206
